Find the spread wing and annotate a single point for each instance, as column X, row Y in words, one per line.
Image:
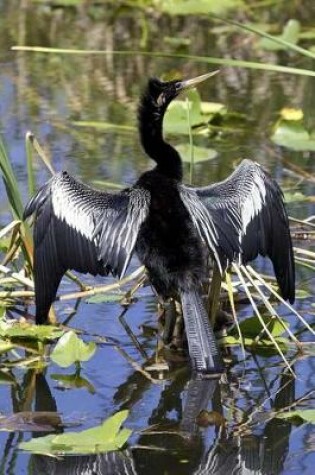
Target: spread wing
column 251, row 203
column 217, row 233
column 79, row 228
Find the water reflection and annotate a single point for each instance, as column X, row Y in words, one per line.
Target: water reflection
column 189, row 430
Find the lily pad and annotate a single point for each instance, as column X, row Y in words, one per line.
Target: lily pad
column 190, row 112
column 290, row 34
column 197, row 7
column 107, row 437
column 24, row 330
column 293, row 135
column 201, row 154
column 105, row 298
column 294, row 197
column 71, row 349
column 73, row 381
column 251, row 327
column 290, row 113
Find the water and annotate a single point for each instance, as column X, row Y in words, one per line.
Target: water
column 48, row 94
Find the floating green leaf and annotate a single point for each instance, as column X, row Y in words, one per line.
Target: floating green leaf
column 107, row 437
column 24, row 330
column 71, row 349
column 296, row 196
column 302, row 294
column 197, row 7
column 300, row 416
column 291, row 113
column 251, row 327
column 73, row 381
column 261, row 344
column 293, row 135
column 290, row 34
column 200, row 113
column 212, row 108
column 105, row 126
column 105, row 298
column 176, row 117
column 61, row 3
column 201, row 154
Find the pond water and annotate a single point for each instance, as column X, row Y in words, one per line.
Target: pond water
column 53, row 95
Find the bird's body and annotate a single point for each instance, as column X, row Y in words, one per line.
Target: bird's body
column 168, row 244
column 172, row 227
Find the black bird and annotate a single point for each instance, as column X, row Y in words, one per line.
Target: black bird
column 172, row 227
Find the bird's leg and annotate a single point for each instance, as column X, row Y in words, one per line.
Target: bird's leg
column 214, row 294
column 169, row 318
column 130, row 293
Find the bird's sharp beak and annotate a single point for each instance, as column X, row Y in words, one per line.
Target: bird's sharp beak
column 189, row 83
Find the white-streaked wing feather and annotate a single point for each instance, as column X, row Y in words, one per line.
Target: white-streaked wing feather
column 251, row 202
column 77, row 227
column 213, row 231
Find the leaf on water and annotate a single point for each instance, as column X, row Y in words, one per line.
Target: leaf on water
column 197, row 7
column 213, row 108
column 302, row 294
column 105, row 126
column 293, row 135
column 71, row 349
column 73, row 381
column 263, row 347
column 300, row 416
column 25, row 330
column 251, row 327
column 107, row 437
column 290, row 34
column 105, row 298
column 294, row 197
column 200, row 113
column 200, row 154
column 176, row 117
column 289, row 113
column 62, row 3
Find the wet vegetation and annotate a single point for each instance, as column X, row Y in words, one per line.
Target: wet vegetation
column 71, row 73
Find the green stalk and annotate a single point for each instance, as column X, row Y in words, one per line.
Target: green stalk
column 29, row 163
column 191, row 145
column 200, row 59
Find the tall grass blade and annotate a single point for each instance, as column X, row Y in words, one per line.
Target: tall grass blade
column 268, row 305
column 276, row 294
column 160, row 54
column 263, row 34
column 229, row 285
column 10, row 184
column 15, row 201
column 29, row 163
column 260, row 318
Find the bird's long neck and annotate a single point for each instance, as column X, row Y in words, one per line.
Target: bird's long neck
column 167, row 158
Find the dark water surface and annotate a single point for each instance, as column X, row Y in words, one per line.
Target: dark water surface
column 49, row 94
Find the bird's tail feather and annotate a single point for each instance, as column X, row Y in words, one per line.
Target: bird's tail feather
column 203, row 348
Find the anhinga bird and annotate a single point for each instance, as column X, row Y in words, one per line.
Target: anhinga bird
column 172, row 227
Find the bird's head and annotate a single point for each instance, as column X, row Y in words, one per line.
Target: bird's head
column 162, row 93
